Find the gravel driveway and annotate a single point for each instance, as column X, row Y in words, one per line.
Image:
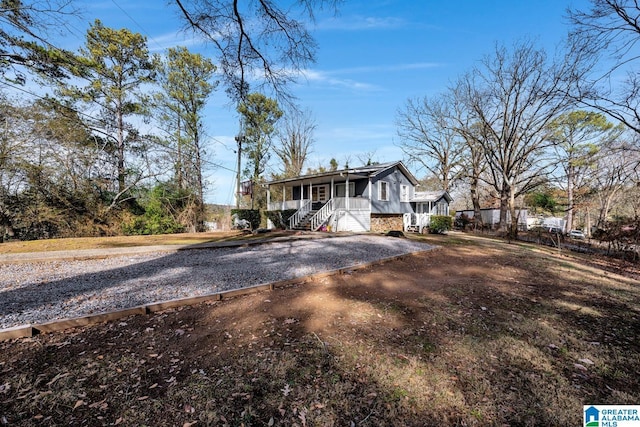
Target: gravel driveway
column 40, row 292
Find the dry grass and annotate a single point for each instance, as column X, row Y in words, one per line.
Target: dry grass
column 79, row 243
column 475, row 333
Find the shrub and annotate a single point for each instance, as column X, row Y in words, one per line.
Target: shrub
column 276, row 218
column 462, row 221
column 161, row 207
column 280, row 219
column 440, row 224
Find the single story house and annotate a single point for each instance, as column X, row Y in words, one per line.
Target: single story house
column 378, row 197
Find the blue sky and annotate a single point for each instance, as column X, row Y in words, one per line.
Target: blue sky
column 372, row 57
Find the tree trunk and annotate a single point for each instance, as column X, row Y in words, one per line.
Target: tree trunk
column 179, row 163
column 475, row 200
column 570, row 178
column 504, row 208
column 200, row 208
column 121, row 171
column 513, row 229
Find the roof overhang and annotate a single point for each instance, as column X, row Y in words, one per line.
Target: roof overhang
column 342, row 175
column 431, row 196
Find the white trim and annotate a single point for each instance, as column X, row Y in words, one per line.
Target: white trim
column 387, row 187
column 404, row 193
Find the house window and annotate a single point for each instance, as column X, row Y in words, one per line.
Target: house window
column 404, row 193
column 383, row 190
column 442, row 209
column 340, row 190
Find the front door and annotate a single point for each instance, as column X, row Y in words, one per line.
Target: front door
column 319, row 193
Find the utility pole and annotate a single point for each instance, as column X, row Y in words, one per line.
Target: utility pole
column 239, row 140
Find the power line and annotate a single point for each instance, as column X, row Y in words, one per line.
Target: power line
column 144, row 31
column 100, row 121
column 82, row 114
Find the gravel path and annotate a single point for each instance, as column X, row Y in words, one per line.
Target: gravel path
column 40, row 292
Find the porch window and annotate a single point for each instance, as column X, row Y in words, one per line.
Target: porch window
column 383, row 191
column 340, row 190
column 404, row 193
column 442, row 209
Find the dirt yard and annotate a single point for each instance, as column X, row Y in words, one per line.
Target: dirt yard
column 477, row 332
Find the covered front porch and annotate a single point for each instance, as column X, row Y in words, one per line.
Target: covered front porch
column 426, row 204
column 333, row 202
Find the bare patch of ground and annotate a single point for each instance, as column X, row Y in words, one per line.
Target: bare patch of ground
column 477, row 332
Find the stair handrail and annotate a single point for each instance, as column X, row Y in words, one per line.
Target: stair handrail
column 300, row 213
column 322, row 215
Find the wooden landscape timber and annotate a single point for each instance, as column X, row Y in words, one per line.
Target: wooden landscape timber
column 29, row 330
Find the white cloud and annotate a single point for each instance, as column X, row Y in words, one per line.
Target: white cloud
column 164, row 41
column 358, row 22
column 331, row 78
column 316, row 76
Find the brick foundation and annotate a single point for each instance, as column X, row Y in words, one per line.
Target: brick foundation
column 381, row 223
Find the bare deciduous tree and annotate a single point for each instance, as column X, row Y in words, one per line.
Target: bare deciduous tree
column 430, row 138
column 296, row 140
column 511, row 99
column 265, row 40
column 614, row 170
column 609, row 29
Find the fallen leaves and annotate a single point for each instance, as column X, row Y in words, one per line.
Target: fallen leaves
column 56, row 378
column 586, row 361
column 102, row 405
column 286, row 390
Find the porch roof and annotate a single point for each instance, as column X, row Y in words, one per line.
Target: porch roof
column 431, row 196
column 341, row 175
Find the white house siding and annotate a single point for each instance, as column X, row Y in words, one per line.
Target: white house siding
column 357, row 221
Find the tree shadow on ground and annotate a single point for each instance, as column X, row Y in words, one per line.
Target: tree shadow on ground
column 181, row 274
column 459, row 336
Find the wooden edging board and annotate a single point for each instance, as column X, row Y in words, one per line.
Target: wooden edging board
column 24, row 331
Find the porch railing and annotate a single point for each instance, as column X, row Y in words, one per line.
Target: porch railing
column 322, row 215
column 355, row 203
column 287, row 204
column 301, row 213
column 416, row 220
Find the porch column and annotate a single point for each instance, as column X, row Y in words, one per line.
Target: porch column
column 331, row 188
column 301, row 194
column 311, row 192
column 346, row 192
column 370, row 190
column 268, row 197
column 284, row 192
